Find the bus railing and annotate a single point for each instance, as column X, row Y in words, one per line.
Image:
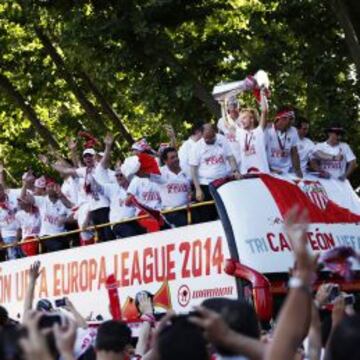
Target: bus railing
column 95, row 228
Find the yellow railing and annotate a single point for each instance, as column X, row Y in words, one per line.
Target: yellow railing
column 95, row 228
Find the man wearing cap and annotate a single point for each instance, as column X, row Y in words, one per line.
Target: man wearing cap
column 54, row 208
column 281, row 144
column 89, row 193
column 336, row 159
column 228, row 126
column 117, row 195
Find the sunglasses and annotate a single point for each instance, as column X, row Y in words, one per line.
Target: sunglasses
column 119, row 175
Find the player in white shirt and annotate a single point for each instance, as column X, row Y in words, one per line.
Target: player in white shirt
column 54, row 208
column 209, row 160
column 89, row 192
column 305, row 145
column 8, row 223
column 251, row 139
column 228, row 126
column 187, row 146
column 146, row 192
column 28, row 217
column 281, row 144
column 175, row 187
column 336, row 159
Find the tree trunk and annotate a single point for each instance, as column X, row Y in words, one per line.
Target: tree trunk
column 351, row 38
column 200, row 90
column 89, row 108
column 106, row 107
column 13, row 94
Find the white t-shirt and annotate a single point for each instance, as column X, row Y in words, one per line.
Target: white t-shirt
column 146, row 192
column 92, row 193
column 117, row 196
column 305, row 147
column 70, row 188
column 211, row 159
column 174, row 188
column 52, row 215
column 29, row 222
column 335, row 168
column 278, row 146
column 184, row 155
column 252, row 150
column 8, row 222
column 103, row 175
column 230, row 135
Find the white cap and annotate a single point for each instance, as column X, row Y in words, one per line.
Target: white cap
column 130, row 166
column 89, row 151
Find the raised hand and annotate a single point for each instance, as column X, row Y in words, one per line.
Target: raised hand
column 145, row 304
column 72, row 144
column 109, row 140
column 65, row 337
column 44, row 159
column 295, row 226
column 170, row 132
column 34, row 271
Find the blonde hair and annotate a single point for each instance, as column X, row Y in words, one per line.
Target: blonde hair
column 253, row 112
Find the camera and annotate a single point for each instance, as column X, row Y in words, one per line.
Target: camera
column 60, row 302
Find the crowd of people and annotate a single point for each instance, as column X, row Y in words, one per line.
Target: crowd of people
column 314, row 322
column 92, row 193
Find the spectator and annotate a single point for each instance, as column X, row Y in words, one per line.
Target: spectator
column 182, row 340
column 305, row 146
column 336, row 159
column 175, row 187
column 187, row 146
column 54, row 209
column 112, row 341
column 281, row 143
column 251, row 139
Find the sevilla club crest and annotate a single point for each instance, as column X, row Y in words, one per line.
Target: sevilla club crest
column 315, row 192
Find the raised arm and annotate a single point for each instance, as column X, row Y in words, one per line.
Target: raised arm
column 294, row 319
column 264, row 109
column 2, row 175
column 80, row 320
column 60, row 168
column 170, row 132
column 108, row 141
column 219, row 334
column 73, row 153
column 34, row 273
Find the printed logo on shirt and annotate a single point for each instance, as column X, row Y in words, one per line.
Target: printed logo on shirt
column 331, row 164
column 175, row 188
column 278, row 153
column 150, row 196
column 214, row 160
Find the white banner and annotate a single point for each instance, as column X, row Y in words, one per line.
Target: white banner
column 258, row 226
column 185, row 263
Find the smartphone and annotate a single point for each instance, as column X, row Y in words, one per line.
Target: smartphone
column 60, row 302
column 349, row 299
column 334, row 293
column 49, row 320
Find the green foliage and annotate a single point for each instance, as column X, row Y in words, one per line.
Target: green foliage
column 148, row 56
